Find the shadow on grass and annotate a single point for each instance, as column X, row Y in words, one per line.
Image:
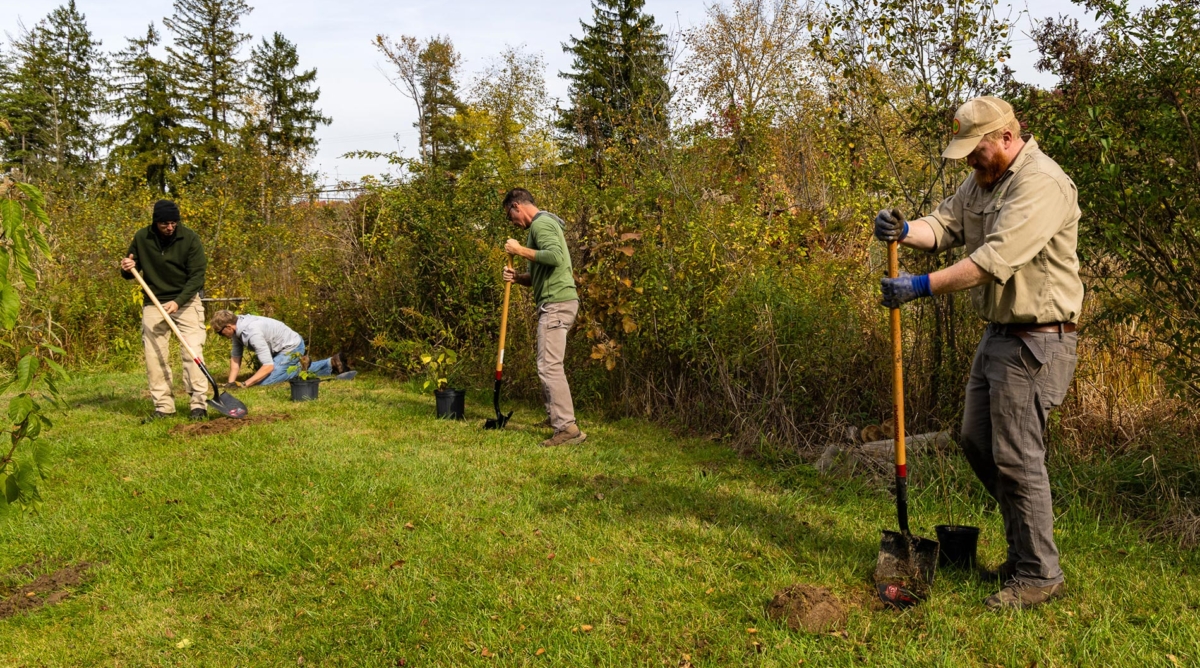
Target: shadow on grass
column 812, row 539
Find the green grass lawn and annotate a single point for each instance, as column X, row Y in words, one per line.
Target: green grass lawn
column 360, row 531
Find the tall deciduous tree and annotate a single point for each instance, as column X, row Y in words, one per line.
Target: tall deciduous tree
column 55, row 92
column 289, row 98
column 618, row 79
column 147, row 140
column 507, row 99
column 425, row 73
column 205, row 61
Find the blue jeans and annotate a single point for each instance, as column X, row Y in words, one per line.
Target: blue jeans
column 285, row 361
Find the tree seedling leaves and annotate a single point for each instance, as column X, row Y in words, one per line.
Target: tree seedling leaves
column 11, row 490
column 26, row 368
column 10, row 306
column 20, row 408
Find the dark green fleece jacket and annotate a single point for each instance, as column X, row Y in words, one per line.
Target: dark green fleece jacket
column 550, row 270
column 173, row 267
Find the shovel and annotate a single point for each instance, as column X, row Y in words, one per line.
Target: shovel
column 501, row 419
column 905, row 566
column 222, row 402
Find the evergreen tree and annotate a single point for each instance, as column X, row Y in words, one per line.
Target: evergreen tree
column 204, row 60
column 440, row 107
column 425, row 74
column 618, row 83
column 55, row 90
column 148, row 140
column 289, row 98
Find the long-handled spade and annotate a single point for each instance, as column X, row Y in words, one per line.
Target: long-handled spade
column 501, row 419
column 905, row 567
column 222, row 402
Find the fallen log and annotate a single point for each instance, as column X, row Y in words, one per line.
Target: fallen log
column 880, row 453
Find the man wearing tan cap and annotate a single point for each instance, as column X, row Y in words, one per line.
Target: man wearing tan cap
column 1017, row 216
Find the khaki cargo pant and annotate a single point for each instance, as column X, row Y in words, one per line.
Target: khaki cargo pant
column 554, row 321
column 156, row 339
column 1015, row 381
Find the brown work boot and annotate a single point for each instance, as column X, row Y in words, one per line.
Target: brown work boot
column 1020, row 596
column 339, row 363
column 569, row 436
column 1002, row 573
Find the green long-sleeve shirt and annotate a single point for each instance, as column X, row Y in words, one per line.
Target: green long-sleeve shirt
column 173, row 268
column 550, row 269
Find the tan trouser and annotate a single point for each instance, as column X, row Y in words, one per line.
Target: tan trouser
column 156, row 339
column 554, row 321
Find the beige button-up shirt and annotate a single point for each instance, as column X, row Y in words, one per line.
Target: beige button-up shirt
column 1024, row 232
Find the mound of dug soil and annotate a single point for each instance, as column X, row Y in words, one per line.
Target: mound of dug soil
column 45, row 590
column 222, row 425
column 806, row 607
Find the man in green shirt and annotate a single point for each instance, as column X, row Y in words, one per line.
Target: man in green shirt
column 557, row 304
column 171, row 259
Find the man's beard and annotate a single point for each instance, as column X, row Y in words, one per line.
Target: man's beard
column 987, row 174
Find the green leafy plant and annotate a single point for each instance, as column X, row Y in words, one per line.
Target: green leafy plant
column 439, row 368
column 37, row 373
column 300, row 367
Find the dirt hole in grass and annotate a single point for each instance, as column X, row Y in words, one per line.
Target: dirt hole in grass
column 49, row 589
column 223, row 425
column 808, row 608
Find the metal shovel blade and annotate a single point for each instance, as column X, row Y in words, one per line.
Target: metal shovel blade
column 498, row 422
column 904, row 569
column 228, row 405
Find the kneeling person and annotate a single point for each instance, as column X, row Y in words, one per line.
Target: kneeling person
column 278, row 348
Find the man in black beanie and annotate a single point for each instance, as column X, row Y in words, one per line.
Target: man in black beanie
column 171, row 259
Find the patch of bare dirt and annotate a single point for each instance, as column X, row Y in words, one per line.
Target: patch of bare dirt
column 222, row 425
column 808, row 608
column 45, row 590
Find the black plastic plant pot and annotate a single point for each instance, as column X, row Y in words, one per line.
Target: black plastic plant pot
column 305, row 390
column 959, row 545
column 451, row 404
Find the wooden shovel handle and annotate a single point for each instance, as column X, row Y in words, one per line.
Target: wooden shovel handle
column 149, row 293
column 503, row 323
column 897, row 367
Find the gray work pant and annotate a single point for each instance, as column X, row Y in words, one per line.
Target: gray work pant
column 554, row 321
column 1015, row 381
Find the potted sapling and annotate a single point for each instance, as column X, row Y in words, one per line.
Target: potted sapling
column 439, row 365
column 306, row 384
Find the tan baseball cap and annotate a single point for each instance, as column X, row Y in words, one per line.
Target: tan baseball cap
column 974, row 119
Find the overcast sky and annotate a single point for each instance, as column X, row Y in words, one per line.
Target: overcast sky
column 336, row 38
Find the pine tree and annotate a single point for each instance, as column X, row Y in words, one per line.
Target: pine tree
column 425, row 74
column 204, row 60
column 441, row 109
column 289, row 114
column 148, row 140
column 618, row 83
column 54, row 93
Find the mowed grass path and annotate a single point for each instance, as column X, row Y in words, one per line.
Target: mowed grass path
column 288, row 544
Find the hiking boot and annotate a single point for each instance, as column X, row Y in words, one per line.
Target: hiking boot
column 569, row 436
column 1020, row 596
column 198, row 414
column 155, row 416
column 1003, row 573
column 340, row 363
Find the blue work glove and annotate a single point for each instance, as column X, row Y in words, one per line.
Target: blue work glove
column 890, row 226
column 904, row 288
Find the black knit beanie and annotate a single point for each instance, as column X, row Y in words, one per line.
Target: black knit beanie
column 165, row 211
